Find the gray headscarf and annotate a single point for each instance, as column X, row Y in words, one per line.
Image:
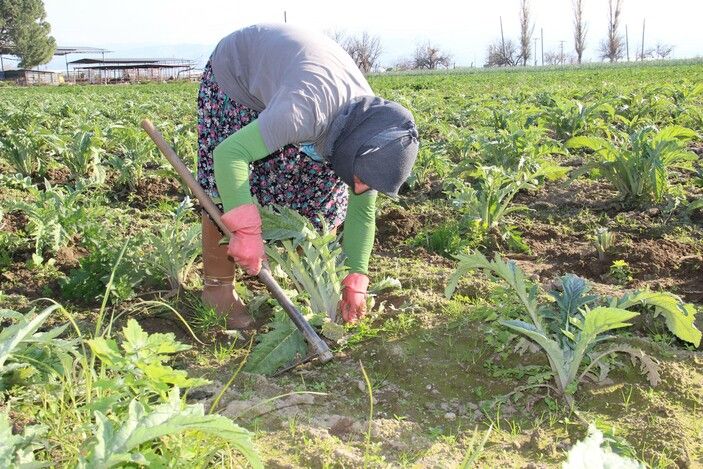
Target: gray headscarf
column 375, row 140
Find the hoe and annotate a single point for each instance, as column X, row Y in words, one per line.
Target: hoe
column 318, row 347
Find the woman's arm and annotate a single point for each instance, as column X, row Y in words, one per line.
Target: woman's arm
column 232, row 157
column 359, row 230
column 231, row 163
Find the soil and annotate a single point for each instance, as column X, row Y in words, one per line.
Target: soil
column 20, row 279
column 14, row 222
column 659, row 264
column 560, row 242
column 154, row 324
column 571, row 198
column 396, row 226
column 151, row 191
column 57, row 176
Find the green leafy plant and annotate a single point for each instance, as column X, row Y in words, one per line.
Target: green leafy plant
column 312, row 260
column 450, row 238
column 516, row 149
column 133, row 395
column 23, row 348
column 639, row 170
column 679, row 316
column 175, row 247
column 487, row 208
column 17, row 451
column 82, row 155
column 277, row 347
column 431, row 163
column 641, row 108
column 22, row 148
column 695, row 205
column 122, row 441
column 54, row 216
column 131, row 156
column 184, row 141
column 620, row 272
column 603, row 240
column 573, row 330
column 569, row 118
column 141, row 362
column 95, row 270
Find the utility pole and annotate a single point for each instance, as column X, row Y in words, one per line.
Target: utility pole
column 562, row 59
column 535, row 52
column 542, row 30
column 643, row 23
column 627, row 43
column 285, row 16
column 502, row 37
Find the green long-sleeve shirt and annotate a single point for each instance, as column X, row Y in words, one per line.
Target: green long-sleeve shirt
column 232, row 157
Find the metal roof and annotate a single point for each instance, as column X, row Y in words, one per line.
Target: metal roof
column 25, row 70
column 115, row 60
column 133, row 66
column 80, row 50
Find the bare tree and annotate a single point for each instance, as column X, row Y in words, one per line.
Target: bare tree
column 404, row 64
column 502, row 54
column 556, row 58
column 580, row 30
column 430, row 57
column 663, row 51
column 365, row 50
column 526, row 30
column 643, row 54
column 340, row 37
column 613, row 47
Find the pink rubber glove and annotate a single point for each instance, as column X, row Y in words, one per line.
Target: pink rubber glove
column 246, row 245
column 353, row 303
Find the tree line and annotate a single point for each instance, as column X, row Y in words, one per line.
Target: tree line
column 25, row 33
column 366, row 49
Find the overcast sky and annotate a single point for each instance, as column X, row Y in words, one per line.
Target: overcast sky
column 462, row 28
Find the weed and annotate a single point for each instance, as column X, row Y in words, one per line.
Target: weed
column 206, row 318
column 620, row 272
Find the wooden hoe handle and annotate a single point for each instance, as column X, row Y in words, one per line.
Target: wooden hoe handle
column 318, row 346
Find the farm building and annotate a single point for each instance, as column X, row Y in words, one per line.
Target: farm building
column 64, row 51
column 120, row 70
column 23, row 76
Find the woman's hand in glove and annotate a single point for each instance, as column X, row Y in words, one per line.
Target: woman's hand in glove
column 353, row 302
column 246, row 245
